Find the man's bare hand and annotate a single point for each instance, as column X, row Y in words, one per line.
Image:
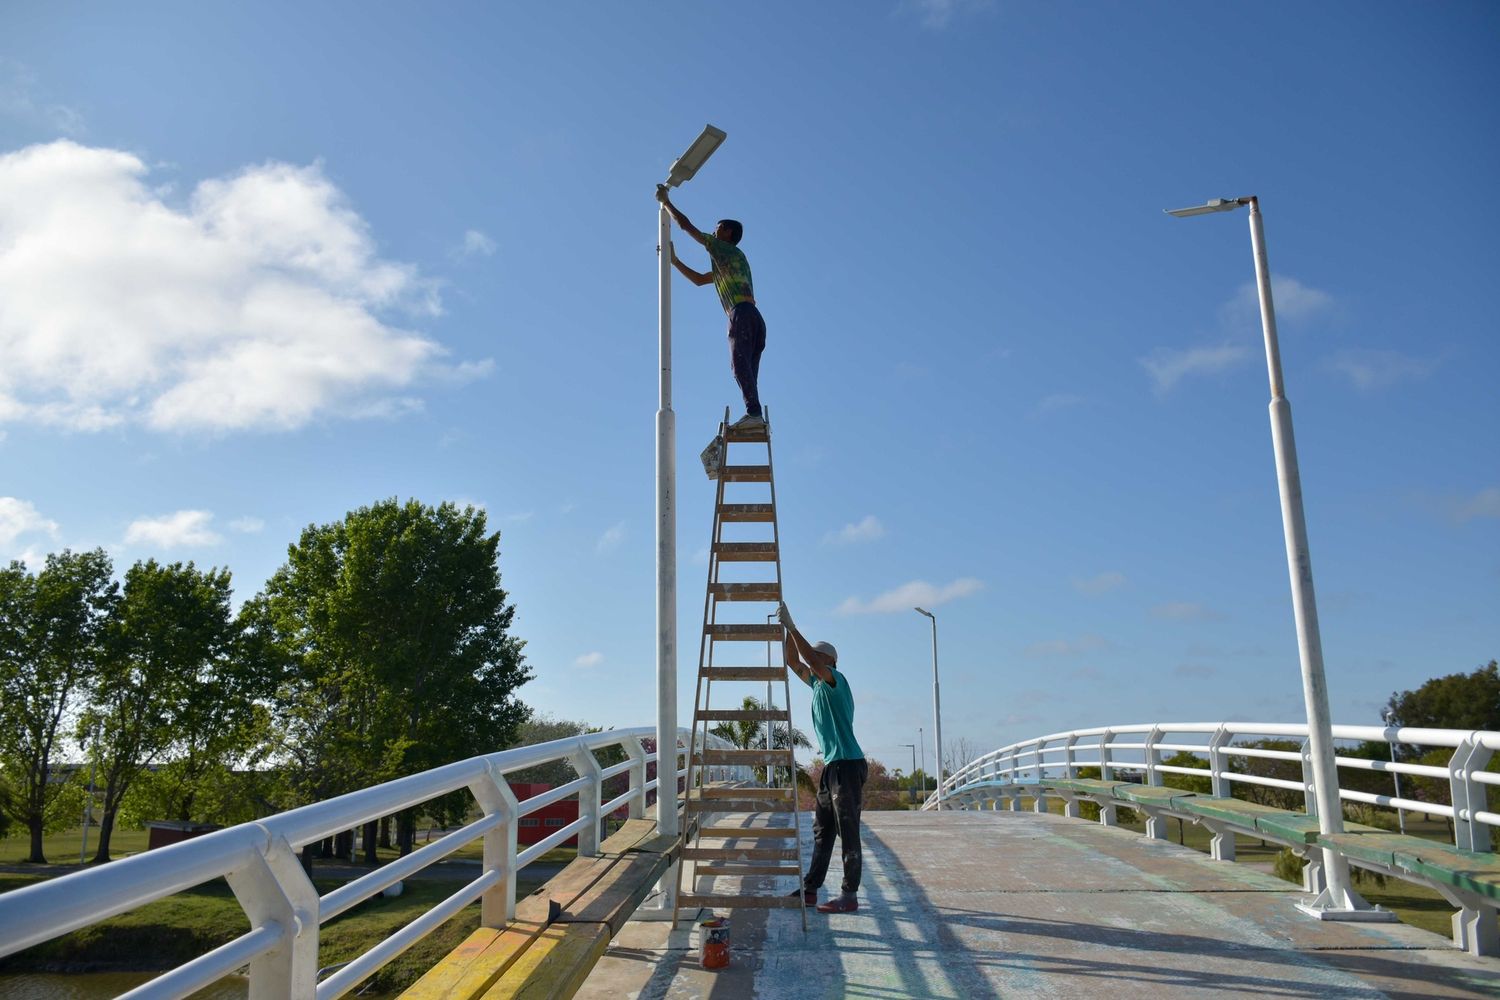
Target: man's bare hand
column 661, row 194
column 784, row 616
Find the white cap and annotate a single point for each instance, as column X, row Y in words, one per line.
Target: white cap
column 826, row 648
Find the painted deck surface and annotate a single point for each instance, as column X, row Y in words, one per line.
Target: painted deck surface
column 979, row 905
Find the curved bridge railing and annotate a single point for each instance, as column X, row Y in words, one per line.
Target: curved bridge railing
column 259, row 861
column 1140, row 750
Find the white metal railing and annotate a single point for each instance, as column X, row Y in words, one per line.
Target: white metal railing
column 260, row 863
column 1139, row 749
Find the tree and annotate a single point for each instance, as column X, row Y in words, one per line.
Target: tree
column 1270, row 767
column 50, row 630
column 749, row 735
column 396, row 655
column 1455, row 701
column 1187, row 782
column 165, row 648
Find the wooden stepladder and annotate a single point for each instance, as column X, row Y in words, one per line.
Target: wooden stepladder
column 743, row 848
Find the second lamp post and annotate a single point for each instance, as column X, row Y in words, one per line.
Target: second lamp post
column 937, row 705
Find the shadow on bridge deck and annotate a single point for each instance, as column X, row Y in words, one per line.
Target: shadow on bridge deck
column 994, row 904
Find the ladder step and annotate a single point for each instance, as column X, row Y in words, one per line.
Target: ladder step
column 745, row 474
column 770, row 590
column 733, row 757
column 703, row 869
column 755, row 832
column 747, row 512
column 745, row 551
column 757, row 436
column 742, row 792
column 760, row 632
column 744, row 673
column 740, row 854
column 696, row 805
column 744, row 715
column 686, row 900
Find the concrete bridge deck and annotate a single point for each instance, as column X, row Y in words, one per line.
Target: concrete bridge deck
column 980, row 905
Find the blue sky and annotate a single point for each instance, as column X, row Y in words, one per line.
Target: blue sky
column 262, row 265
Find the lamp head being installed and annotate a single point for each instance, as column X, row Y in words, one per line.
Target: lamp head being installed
column 685, row 166
column 924, row 611
column 1213, row 205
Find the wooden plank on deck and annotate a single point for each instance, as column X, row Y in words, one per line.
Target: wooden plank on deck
column 555, row 966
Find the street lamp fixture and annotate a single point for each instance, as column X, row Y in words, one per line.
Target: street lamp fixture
column 685, row 166
column 937, row 711
column 1337, row 899
column 681, row 170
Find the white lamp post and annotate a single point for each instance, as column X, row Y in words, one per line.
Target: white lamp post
column 681, row 170
column 1387, row 717
column 913, row 748
column 1337, row 899
column 937, row 710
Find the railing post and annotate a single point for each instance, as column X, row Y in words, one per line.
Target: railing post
column 589, row 798
column 275, row 888
column 1070, row 802
column 637, row 753
column 1218, row 784
column 1105, row 739
column 497, row 906
column 1467, row 795
column 1156, row 825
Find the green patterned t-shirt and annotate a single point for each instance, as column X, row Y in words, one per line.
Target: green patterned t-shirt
column 731, row 272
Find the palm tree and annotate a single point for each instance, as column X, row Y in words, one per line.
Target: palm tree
column 749, row 735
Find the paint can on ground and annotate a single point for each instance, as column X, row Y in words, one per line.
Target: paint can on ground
column 714, row 942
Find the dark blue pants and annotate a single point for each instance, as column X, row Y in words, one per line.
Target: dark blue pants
column 747, row 339
column 841, row 795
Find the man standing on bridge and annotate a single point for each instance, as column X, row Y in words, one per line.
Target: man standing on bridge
column 841, row 789
column 730, row 273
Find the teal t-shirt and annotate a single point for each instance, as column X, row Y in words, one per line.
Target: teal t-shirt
column 833, row 718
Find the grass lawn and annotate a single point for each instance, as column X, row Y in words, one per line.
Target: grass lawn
column 61, row 848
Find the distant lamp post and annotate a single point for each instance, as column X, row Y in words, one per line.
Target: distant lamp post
column 913, row 748
column 937, row 710
column 1337, row 900
column 681, row 170
column 1387, row 716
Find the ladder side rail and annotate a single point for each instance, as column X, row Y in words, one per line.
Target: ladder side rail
column 786, row 683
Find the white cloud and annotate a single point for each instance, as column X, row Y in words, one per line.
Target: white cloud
column 866, row 530
column 589, row 660
column 938, row 14
column 1485, row 503
column 247, row 525
column 1186, row 611
column 476, row 244
column 184, row 528
column 1375, row 369
column 1067, row 647
column 1294, row 303
column 1167, row 367
column 20, row 517
column 910, row 595
column 1101, row 584
column 258, row 303
column 611, row 538
column 20, row 99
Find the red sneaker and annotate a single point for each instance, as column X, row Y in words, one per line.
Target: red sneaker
column 839, row 904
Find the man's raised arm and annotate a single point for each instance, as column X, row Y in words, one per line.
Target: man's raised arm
column 815, row 660
column 682, row 220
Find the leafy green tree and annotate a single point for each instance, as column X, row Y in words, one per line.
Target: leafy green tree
column 1187, row 782
column 51, row 626
column 1269, row 767
column 170, row 638
column 1455, row 701
column 750, row 735
column 397, row 654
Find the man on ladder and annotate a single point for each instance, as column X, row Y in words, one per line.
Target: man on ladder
column 730, row 273
column 841, row 789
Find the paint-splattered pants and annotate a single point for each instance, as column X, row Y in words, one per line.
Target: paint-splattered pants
column 841, row 795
